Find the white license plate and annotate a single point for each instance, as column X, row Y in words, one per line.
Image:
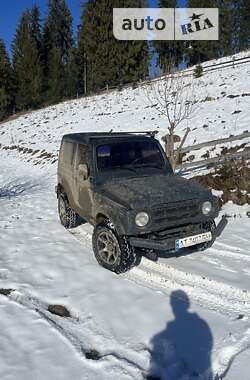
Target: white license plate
column 193, row 240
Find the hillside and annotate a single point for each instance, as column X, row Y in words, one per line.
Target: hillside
column 223, row 109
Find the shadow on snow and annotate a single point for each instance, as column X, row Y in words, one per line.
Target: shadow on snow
column 14, row 189
column 182, row 351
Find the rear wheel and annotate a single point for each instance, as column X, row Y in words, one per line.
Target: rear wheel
column 68, row 217
column 112, row 251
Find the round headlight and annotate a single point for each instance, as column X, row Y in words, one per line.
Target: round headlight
column 141, row 219
column 206, row 208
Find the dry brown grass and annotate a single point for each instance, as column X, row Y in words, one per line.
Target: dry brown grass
column 233, row 178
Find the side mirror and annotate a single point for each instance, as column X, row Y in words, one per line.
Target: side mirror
column 83, row 171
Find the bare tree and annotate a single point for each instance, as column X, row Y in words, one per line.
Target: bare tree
column 173, row 96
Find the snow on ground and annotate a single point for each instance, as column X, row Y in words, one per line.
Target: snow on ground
column 31, row 349
column 128, row 319
column 139, row 322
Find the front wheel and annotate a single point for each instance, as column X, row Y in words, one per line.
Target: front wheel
column 112, row 251
column 211, row 227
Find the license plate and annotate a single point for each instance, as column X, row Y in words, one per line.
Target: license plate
column 193, row 240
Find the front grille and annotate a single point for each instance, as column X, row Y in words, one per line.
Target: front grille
column 179, row 232
column 175, row 212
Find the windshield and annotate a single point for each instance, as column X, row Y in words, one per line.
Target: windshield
column 129, row 155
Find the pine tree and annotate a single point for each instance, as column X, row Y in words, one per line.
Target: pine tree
column 201, row 51
column 58, row 28
column 72, row 74
column 56, row 78
column 27, row 63
column 35, row 27
column 234, row 30
column 227, row 28
column 6, row 83
column 234, row 26
column 57, row 50
column 170, row 53
column 241, row 10
column 105, row 60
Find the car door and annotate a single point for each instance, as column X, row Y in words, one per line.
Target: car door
column 83, row 194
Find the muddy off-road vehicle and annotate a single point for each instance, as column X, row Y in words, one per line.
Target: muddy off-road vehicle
column 123, row 184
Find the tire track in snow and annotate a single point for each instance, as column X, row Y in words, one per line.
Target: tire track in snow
column 77, row 331
column 229, row 252
column 226, row 356
column 208, row 293
column 132, row 361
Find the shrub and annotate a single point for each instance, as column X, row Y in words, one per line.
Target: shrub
column 198, row 71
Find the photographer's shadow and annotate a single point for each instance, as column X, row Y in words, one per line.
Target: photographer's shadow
column 183, row 350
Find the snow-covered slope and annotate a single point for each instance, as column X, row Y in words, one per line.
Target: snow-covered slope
column 223, row 109
column 138, row 323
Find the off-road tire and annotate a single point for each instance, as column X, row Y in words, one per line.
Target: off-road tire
column 212, row 228
column 68, row 217
column 126, row 256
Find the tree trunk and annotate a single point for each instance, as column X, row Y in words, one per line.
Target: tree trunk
column 169, row 148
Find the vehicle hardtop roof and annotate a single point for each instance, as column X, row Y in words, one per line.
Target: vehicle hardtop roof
column 86, row 137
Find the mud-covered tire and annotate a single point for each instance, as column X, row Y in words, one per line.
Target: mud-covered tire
column 123, row 259
column 68, row 217
column 212, row 228
column 204, row 246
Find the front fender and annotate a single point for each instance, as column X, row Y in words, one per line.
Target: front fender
column 116, row 213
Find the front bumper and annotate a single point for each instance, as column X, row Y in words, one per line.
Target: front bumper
column 165, row 240
column 157, row 245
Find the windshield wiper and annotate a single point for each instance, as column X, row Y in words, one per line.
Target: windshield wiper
column 149, row 166
column 125, row 167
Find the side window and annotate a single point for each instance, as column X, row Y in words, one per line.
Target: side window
column 82, row 154
column 66, row 153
